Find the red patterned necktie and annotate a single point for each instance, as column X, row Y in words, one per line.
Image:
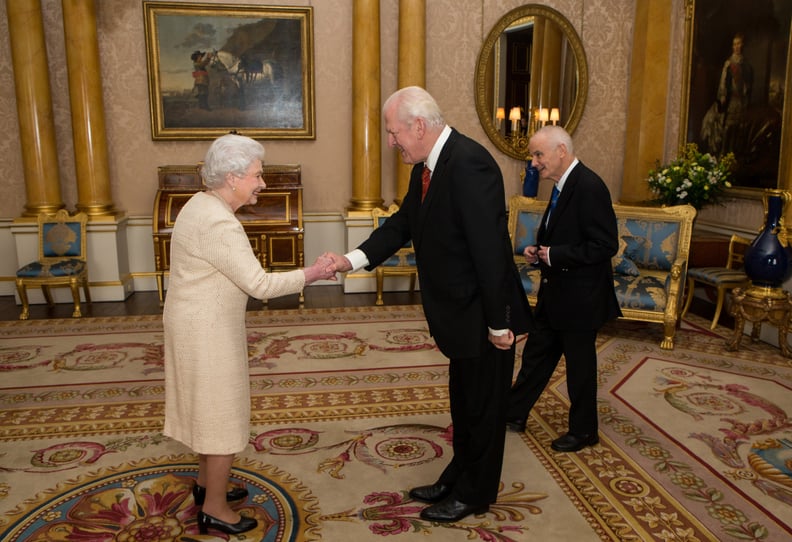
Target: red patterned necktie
column 426, row 176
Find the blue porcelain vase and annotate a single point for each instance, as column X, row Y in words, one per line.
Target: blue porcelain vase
column 767, row 260
column 531, row 181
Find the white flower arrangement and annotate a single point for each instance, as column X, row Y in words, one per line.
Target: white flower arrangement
column 695, row 178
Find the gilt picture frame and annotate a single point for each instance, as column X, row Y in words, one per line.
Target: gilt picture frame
column 737, row 72
column 220, row 68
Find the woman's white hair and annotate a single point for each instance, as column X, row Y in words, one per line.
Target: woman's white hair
column 230, row 153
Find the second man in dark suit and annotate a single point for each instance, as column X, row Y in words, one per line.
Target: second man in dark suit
column 576, row 240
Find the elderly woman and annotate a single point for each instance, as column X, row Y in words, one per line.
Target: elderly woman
column 213, row 271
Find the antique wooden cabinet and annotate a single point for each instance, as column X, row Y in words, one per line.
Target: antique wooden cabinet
column 274, row 225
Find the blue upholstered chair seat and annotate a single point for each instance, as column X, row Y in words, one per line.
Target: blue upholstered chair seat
column 646, row 292
column 717, row 276
column 64, row 268
column 723, row 278
column 531, row 277
column 398, row 260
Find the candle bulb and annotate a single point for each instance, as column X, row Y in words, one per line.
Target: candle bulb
column 544, row 115
column 514, row 117
column 555, row 115
column 500, row 114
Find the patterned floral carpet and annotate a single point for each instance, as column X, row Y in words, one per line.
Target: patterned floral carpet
column 350, row 411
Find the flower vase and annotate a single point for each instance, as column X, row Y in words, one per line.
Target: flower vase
column 531, row 181
column 767, row 260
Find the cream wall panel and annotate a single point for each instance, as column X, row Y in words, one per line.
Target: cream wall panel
column 140, row 247
column 324, row 232
column 9, row 263
column 108, row 261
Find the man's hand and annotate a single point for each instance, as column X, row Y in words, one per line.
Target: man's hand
column 531, row 255
column 534, row 254
column 322, row 269
column 339, row 263
column 502, row 342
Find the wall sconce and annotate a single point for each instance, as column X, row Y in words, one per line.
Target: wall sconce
column 514, row 117
column 555, row 116
column 544, row 116
column 500, row 114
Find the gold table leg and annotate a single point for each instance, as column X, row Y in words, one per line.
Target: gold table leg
column 757, row 305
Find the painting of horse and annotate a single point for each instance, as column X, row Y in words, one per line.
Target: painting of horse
column 258, row 78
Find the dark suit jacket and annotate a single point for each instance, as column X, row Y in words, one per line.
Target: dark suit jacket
column 465, row 265
column 576, row 292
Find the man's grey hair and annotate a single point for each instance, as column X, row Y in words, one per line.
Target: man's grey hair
column 559, row 136
column 414, row 102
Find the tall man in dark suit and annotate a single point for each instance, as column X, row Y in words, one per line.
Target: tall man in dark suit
column 576, row 240
column 470, row 288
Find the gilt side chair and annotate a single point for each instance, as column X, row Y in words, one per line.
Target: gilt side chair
column 400, row 264
column 723, row 279
column 62, row 260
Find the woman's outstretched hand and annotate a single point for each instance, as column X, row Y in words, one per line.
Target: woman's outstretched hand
column 324, row 268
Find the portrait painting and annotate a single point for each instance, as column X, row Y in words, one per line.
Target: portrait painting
column 219, row 68
column 738, row 60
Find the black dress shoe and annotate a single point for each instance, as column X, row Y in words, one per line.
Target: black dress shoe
column 234, row 494
column 573, row 443
column 206, row 522
column 433, row 493
column 451, row 510
column 518, row 426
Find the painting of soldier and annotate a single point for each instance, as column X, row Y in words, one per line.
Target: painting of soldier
column 738, row 76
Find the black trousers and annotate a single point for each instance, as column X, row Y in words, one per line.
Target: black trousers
column 543, row 350
column 478, row 391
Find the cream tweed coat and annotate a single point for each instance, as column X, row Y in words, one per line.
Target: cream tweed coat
column 213, row 271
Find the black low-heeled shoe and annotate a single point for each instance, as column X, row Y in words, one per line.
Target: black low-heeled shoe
column 234, row 494
column 206, row 522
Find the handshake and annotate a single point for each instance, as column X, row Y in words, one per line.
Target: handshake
column 326, row 266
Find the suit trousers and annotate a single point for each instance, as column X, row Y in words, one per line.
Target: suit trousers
column 478, row 390
column 543, row 350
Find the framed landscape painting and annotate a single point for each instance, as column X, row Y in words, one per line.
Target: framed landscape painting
column 218, row 68
column 737, row 56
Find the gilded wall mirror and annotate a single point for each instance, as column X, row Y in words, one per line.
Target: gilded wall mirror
column 531, row 71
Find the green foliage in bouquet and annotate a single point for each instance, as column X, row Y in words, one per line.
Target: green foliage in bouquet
column 696, row 178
